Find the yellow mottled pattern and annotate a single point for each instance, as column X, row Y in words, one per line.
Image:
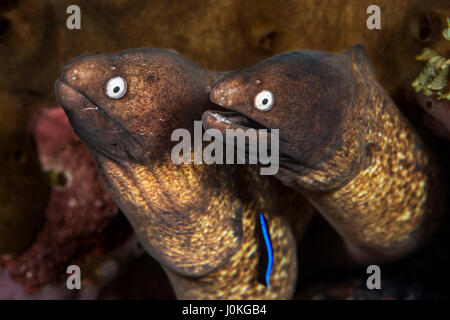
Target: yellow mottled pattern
column 385, row 203
column 237, row 279
column 173, row 212
column 184, row 217
column 387, row 206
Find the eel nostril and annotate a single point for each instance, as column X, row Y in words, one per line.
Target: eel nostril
column 429, row 104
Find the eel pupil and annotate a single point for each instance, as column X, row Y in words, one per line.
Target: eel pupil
column 266, row 258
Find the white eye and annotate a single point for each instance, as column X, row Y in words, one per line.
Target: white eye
column 116, row 87
column 264, row 100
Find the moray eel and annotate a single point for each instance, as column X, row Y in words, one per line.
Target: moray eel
column 200, row 222
column 343, row 144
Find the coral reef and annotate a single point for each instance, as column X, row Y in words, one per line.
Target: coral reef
column 81, row 220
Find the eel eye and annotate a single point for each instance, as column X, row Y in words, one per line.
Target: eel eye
column 264, row 100
column 116, row 87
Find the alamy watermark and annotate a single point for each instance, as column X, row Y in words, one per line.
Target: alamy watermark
column 257, row 142
column 374, row 280
column 74, row 278
column 374, row 20
column 74, row 20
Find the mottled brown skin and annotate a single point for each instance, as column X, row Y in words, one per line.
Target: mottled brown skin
column 345, row 145
column 198, row 221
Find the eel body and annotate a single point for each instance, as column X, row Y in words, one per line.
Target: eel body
column 200, row 222
column 343, row 144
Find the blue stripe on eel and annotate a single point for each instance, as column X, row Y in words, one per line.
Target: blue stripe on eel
column 268, row 246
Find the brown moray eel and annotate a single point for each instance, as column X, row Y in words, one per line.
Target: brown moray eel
column 199, row 221
column 343, row 144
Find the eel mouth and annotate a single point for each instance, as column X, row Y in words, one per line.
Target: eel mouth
column 241, row 126
column 229, row 120
column 93, row 125
column 232, row 120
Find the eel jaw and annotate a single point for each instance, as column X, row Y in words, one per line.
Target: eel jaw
column 229, row 120
column 234, row 120
column 90, row 122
